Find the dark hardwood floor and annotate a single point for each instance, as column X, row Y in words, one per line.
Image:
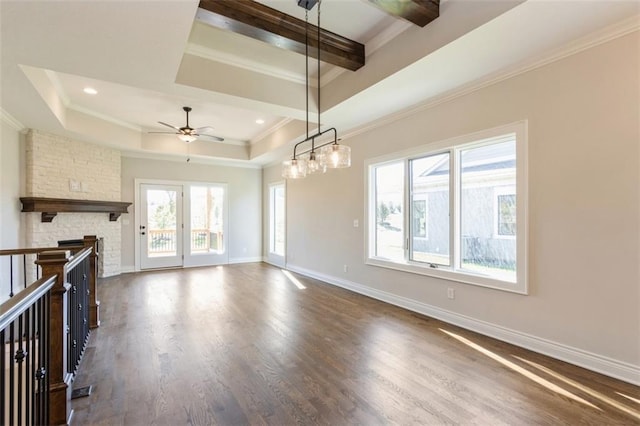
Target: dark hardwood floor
column 242, row 344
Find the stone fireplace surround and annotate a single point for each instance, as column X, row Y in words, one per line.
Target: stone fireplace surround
column 59, row 167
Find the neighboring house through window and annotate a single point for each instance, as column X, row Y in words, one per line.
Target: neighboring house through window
column 464, row 201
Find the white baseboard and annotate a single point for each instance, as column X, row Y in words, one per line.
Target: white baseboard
column 598, row 363
column 245, row 260
column 127, row 269
column 267, row 259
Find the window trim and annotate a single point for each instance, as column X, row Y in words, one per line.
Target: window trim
column 489, row 136
column 272, row 188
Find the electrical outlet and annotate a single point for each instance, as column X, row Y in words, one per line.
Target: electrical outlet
column 451, row 293
column 356, row 223
column 346, row 268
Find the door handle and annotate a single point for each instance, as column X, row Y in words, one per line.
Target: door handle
column 142, row 233
column 142, row 227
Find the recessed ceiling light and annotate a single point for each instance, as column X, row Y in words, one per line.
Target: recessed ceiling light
column 90, row 91
column 259, row 121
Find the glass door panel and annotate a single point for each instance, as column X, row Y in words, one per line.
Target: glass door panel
column 207, row 225
column 160, row 226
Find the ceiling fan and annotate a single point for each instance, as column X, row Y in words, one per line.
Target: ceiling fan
column 189, row 134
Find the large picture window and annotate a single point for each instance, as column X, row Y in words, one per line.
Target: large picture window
column 464, row 203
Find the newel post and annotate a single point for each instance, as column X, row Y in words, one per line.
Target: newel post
column 94, row 303
column 53, row 263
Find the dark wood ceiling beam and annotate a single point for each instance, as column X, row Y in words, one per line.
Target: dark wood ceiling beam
column 420, row 12
column 271, row 26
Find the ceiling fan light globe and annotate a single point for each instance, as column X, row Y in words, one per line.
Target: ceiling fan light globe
column 188, row 138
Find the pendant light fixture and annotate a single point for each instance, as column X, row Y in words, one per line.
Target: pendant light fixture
column 325, row 155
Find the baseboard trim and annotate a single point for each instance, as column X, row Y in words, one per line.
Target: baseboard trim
column 617, row 369
column 245, row 260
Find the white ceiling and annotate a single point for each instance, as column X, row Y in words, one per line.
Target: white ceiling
column 148, row 59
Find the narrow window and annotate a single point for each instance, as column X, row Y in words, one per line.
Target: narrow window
column 430, row 213
column 277, row 219
column 389, row 219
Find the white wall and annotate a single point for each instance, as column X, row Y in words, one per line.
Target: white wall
column 584, row 211
column 11, row 187
column 51, row 162
column 244, row 186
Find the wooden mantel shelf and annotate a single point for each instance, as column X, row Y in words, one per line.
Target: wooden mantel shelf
column 50, row 207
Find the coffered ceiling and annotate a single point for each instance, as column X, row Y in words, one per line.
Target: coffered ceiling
column 148, row 59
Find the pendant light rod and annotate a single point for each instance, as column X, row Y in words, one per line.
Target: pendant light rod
column 187, row 110
column 313, row 147
column 332, row 155
column 312, row 138
column 306, row 64
column 318, row 79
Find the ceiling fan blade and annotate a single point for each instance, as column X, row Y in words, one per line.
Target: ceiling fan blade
column 201, row 130
column 169, row 125
column 215, row 138
column 166, row 133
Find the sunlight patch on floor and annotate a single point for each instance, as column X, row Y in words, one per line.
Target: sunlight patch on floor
column 526, row 373
column 293, row 279
column 584, row 388
column 636, row 400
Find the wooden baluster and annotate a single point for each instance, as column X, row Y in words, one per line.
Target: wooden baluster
column 94, row 303
column 53, row 263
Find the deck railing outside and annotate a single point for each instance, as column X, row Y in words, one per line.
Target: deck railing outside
column 163, row 241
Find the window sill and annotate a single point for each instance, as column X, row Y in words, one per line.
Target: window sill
column 447, row 274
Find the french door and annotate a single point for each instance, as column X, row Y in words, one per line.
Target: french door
column 160, row 226
column 182, row 224
column 205, row 225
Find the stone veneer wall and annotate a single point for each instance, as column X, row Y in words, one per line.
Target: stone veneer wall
column 52, row 163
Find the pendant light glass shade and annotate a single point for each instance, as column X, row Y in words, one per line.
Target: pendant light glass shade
column 294, row 169
column 337, row 156
column 319, row 156
column 316, row 163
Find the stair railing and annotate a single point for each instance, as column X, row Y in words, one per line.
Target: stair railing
column 45, row 328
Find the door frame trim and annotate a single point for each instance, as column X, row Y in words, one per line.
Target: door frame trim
column 136, row 193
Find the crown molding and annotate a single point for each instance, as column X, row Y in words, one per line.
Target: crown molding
column 385, row 36
column 103, row 117
column 11, row 121
column 270, row 130
column 191, row 159
column 247, row 64
column 612, row 32
column 379, row 40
